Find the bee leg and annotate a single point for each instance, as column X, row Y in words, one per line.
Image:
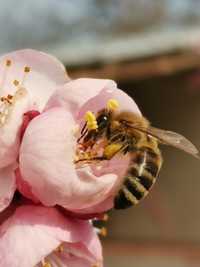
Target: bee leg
column 88, row 160
column 83, row 133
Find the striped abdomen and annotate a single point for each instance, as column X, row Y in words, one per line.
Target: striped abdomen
column 140, row 177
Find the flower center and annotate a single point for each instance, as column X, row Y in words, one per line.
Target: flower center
column 7, row 102
column 93, row 137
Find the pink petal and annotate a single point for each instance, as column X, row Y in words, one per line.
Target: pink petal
column 9, row 131
column 23, row 187
column 76, row 93
column 46, row 73
column 7, row 187
column 81, row 95
column 46, row 163
column 33, row 233
column 99, row 102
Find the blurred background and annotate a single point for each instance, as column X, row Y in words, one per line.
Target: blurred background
column 152, row 49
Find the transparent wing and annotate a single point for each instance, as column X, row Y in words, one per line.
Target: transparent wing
column 172, row 139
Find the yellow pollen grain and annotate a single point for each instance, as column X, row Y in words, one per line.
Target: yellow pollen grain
column 8, row 62
column 112, row 104
column 91, row 120
column 27, row 69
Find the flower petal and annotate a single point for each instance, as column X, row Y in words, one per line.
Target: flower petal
column 46, row 163
column 9, row 130
column 24, row 188
column 46, row 73
column 76, row 93
column 81, row 95
column 7, row 187
column 38, row 231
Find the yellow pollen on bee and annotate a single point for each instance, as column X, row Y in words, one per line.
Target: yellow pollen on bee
column 91, row 120
column 112, row 104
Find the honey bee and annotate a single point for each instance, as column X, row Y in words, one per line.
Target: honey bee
column 126, row 132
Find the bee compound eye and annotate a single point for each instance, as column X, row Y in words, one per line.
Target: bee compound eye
column 102, row 122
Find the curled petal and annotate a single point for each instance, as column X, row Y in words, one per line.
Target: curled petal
column 77, row 93
column 47, row 164
column 99, row 102
column 46, row 73
column 81, row 95
column 7, row 187
column 39, row 231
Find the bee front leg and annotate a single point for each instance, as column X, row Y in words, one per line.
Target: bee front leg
column 91, row 160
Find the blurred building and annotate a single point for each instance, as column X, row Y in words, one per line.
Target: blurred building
column 151, row 48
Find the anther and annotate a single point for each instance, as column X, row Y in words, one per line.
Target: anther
column 27, row 69
column 112, row 104
column 16, row 82
column 8, row 62
column 9, row 97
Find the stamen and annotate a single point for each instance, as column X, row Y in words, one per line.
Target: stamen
column 91, row 121
column 7, row 103
column 26, row 70
column 112, row 104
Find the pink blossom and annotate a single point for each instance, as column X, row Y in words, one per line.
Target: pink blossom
column 27, row 80
column 36, row 236
column 49, row 145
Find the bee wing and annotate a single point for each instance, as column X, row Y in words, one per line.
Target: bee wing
column 173, row 139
